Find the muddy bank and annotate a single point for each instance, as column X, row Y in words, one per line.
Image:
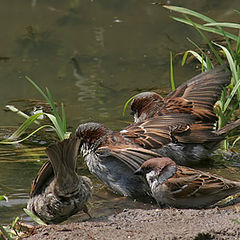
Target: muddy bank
column 151, row 224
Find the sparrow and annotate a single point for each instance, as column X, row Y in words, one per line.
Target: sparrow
column 182, row 187
column 57, row 191
column 197, row 96
column 114, row 156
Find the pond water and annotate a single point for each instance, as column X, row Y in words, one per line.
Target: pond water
column 120, row 47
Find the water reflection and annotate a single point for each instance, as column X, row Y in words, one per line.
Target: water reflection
column 122, row 47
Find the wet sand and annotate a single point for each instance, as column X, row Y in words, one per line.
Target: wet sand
column 154, row 224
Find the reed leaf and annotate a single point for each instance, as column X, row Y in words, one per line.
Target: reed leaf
column 34, row 217
column 126, row 104
column 220, row 24
column 198, row 57
column 208, row 29
column 24, row 126
column 171, row 72
column 189, row 12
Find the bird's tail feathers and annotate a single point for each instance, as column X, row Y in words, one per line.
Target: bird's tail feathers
column 63, row 157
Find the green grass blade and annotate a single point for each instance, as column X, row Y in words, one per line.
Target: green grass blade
column 34, row 217
column 5, row 233
column 14, row 223
column 184, row 58
column 55, row 112
column 28, row 136
column 25, row 126
column 236, row 80
column 18, row 112
column 230, row 62
column 189, row 12
column 208, row 29
column 3, row 197
column 50, row 100
column 220, row 24
column 199, row 58
column 38, row 88
column 238, row 47
column 236, row 11
column 63, row 118
column 57, row 127
column 207, row 41
column 235, row 141
column 233, row 92
column 127, row 102
column 171, row 72
column 208, row 61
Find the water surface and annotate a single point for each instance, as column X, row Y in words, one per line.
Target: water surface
column 121, row 46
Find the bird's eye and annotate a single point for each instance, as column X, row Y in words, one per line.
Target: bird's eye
column 148, row 169
column 132, row 112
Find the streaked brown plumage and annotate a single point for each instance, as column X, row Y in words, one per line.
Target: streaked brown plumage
column 57, row 191
column 114, row 156
column 184, row 187
column 197, row 96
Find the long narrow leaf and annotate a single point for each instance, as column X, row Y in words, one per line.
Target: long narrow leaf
column 3, row 197
column 229, row 25
column 14, row 223
column 236, row 11
column 28, row 136
column 189, row 12
column 38, row 88
column 58, row 128
column 52, row 104
column 18, row 112
column 208, row 29
column 63, row 118
column 25, row 126
column 198, row 57
column 34, row 217
column 236, row 87
column 127, row 102
column 171, row 72
column 230, row 61
column 206, row 39
column 238, row 47
column 5, row 233
column 208, row 61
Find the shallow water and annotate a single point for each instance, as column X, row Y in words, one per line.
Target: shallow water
column 121, row 46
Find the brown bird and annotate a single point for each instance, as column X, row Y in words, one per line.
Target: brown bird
column 57, row 191
column 183, row 187
column 197, row 96
column 114, row 156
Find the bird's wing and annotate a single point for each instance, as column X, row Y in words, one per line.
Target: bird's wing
column 131, row 156
column 156, row 132
column 44, row 176
column 189, row 182
column 199, row 94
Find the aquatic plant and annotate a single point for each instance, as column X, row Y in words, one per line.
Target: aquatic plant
column 230, row 98
column 228, row 50
column 17, row 230
column 58, row 121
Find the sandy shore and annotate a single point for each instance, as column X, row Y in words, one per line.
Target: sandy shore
column 154, row 224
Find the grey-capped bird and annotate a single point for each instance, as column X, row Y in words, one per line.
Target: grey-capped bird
column 183, row 187
column 57, row 191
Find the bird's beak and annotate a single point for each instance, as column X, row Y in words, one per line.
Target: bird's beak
column 139, row 172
